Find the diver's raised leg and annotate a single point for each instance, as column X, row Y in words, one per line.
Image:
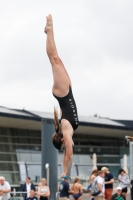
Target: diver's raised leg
column 60, row 75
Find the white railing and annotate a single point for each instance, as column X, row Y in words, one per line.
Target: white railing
column 57, row 195
column 14, row 193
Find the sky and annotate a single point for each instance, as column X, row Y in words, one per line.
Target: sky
column 94, row 39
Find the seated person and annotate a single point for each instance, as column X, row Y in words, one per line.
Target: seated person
column 118, row 194
column 32, row 195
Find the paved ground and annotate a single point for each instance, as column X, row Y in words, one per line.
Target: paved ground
column 86, row 197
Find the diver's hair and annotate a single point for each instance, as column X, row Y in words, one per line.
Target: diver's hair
column 56, row 121
column 57, row 137
column 57, row 140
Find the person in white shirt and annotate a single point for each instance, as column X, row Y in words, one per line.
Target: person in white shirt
column 100, row 184
column 27, row 187
column 5, row 188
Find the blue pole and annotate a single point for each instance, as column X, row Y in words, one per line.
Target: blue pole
column 50, row 156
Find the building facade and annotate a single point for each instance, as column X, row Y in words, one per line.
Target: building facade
column 20, row 145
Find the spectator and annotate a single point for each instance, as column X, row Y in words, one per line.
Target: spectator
column 109, row 180
column 124, row 181
column 64, row 189
column 77, row 190
column 27, row 187
column 32, row 196
column 43, row 190
column 5, row 188
column 92, row 177
column 118, row 195
column 100, row 184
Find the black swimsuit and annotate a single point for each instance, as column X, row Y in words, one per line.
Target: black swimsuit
column 68, row 108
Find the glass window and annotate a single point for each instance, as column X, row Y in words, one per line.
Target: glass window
column 109, row 143
column 106, row 150
column 84, row 171
column 34, row 171
column 35, row 141
column 4, row 139
column 9, row 167
column 85, row 159
column 20, row 133
column 76, row 158
column 34, row 133
column 36, row 157
column 23, row 148
column 4, row 148
column 22, row 170
column 76, row 149
column 23, row 140
column 74, row 171
column 114, row 170
column 12, row 178
column 107, row 159
column 25, row 157
column 7, row 157
column 60, row 155
column 124, row 150
column 36, row 148
column 59, row 171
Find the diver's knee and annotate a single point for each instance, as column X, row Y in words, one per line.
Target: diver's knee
column 69, row 156
column 56, row 60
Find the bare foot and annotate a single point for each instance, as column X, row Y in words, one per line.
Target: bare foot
column 49, row 24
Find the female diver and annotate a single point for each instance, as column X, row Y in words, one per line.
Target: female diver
column 62, row 91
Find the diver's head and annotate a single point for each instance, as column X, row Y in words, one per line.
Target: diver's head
column 57, row 140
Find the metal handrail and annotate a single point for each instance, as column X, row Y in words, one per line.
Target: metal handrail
column 14, row 192
column 57, row 195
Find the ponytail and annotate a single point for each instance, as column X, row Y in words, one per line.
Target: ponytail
column 56, row 121
column 57, row 137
